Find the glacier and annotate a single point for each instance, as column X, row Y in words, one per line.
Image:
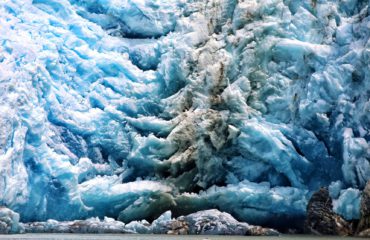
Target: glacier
column 128, row 109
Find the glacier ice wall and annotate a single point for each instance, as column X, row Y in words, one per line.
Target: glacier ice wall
column 130, row 108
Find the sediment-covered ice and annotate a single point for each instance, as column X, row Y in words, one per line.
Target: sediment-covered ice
column 209, row 222
column 128, row 109
column 90, row 225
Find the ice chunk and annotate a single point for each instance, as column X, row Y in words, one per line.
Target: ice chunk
column 213, row 222
column 106, row 196
column 335, row 188
column 9, row 222
column 356, row 167
column 251, row 202
column 132, row 18
column 348, row 204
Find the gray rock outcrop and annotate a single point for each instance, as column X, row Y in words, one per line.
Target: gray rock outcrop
column 321, row 219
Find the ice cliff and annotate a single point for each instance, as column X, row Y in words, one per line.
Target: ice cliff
column 127, row 109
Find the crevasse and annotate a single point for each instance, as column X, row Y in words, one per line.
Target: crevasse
column 130, row 108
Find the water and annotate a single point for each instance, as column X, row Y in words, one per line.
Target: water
column 155, row 237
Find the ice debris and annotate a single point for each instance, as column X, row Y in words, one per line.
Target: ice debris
column 209, row 222
column 91, row 225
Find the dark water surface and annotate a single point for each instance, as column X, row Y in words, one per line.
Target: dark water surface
column 155, row 237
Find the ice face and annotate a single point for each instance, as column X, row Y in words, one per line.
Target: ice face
column 128, row 109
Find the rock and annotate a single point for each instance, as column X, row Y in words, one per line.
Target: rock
column 321, row 219
column 261, row 231
column 9, row 222
column 364, row 234
column 363, row 228
column 178, row 227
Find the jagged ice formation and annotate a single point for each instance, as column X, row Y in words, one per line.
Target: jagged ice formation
column 130, row 108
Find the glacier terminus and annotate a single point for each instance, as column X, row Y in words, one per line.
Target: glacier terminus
column 129, row 109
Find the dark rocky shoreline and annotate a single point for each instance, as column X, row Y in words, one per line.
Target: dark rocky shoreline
column 321, row 219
